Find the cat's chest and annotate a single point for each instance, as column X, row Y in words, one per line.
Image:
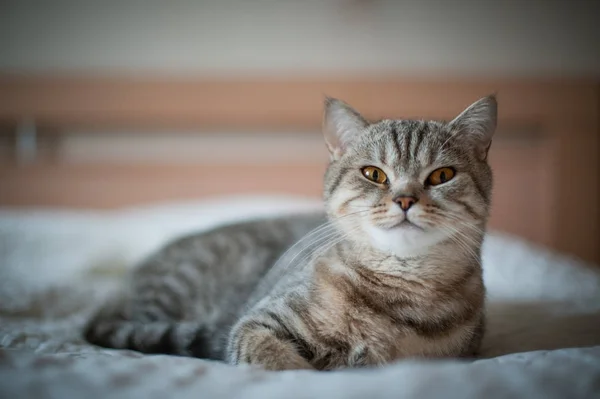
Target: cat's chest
column 359, row 335
column 356, row 336
column 362, row 322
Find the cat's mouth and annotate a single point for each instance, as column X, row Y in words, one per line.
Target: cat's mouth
column 403, row 224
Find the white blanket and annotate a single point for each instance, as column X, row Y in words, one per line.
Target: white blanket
column 543, row 338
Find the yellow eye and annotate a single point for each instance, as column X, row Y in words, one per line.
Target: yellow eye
column 374, row 174
column 440, row 176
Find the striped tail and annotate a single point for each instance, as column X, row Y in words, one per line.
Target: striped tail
column 182, row 338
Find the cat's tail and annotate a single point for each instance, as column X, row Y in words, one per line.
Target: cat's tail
column 109, row 328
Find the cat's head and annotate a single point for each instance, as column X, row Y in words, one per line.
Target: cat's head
column 405, row 185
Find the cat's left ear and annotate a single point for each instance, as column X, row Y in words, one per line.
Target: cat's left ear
column 341, row 123
column 477, row 124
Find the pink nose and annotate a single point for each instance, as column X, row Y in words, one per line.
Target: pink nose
column 405, row 202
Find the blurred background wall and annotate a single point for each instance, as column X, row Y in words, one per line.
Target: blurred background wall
column 483, row 37
column 234, row 38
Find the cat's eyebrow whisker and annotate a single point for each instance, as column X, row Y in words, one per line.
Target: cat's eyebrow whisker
column 453, row 134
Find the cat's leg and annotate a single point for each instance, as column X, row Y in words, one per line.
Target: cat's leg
column 260, row 340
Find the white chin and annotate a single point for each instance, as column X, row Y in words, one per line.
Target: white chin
column 403, row 241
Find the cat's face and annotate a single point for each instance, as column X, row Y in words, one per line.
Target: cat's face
column 403, row 186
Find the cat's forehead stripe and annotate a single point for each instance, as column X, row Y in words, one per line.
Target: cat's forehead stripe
column 404, row 145
column 419, row 133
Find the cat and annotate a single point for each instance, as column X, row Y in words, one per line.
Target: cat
column 391, row 270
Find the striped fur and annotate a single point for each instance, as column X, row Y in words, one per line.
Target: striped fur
column 365, row 288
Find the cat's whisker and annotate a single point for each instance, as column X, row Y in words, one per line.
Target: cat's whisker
column 317, row 241
column 460, row 239
column 470, row 242
column 442, row 147
column 464, row 228
column 352, row 214
column 315, row 235
column 312, row 235
column 444, row 216
column 450, row 215
column 464, row 248
column 455, row 216
column 442, row 223
column 472, row 228
column 335, row 240
column 362, row 207
column 321, row 240
column 328, row 246
column 323, row 243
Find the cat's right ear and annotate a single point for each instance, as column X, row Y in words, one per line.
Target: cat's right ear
column 477, row 124
column 341, row 123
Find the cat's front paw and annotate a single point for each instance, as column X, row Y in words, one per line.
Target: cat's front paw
column 274, row 355
column 296, row 363
column 262, row 347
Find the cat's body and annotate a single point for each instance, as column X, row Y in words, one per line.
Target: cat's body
column 394, row 273
column 178, row 301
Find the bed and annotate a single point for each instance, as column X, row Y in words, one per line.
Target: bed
column 543, row 339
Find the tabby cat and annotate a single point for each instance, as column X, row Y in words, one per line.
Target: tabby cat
column 391, row 270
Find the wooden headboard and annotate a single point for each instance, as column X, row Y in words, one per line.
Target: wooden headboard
column 545, row 155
